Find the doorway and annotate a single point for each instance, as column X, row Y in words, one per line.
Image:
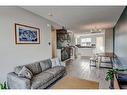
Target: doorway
column 99, row 44
column 54, row 42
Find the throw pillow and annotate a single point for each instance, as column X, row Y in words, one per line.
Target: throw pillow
column 55, row 62
column 58, row 62
column 17, row 69
column 25, row 73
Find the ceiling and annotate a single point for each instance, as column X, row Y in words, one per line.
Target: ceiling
column 80, row 19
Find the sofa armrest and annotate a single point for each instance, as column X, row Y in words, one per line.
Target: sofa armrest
column 63, row 64
column 15, row 82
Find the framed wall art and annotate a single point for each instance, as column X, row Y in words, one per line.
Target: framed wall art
column 26, row 34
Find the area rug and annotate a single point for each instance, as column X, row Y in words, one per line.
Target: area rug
column 69, row 82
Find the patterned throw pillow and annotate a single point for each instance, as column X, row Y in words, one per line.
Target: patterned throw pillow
column 58, row 62
column 55, row 62
column 25, row 73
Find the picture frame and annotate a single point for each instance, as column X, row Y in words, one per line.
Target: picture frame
column 25, row 34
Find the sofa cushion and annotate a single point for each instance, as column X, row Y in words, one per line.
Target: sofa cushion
column 25, row 73
column 35, row 68
column 56, row 70
column 40, row 79
column 45, row 64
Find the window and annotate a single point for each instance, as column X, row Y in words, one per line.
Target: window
column 86, row 42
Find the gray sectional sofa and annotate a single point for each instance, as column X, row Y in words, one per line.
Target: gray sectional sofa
column 43, row 75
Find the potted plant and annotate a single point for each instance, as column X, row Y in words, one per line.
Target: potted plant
column 3, row 86
column 111, row 72
column 110, row 75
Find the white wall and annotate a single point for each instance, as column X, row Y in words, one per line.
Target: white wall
column 93, row 36
column 11, row 54
column 89, row 51
column 109, row 40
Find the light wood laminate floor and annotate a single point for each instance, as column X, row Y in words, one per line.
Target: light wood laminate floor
column 80, row 68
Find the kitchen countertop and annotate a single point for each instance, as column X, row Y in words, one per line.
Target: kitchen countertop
column 86, row 46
